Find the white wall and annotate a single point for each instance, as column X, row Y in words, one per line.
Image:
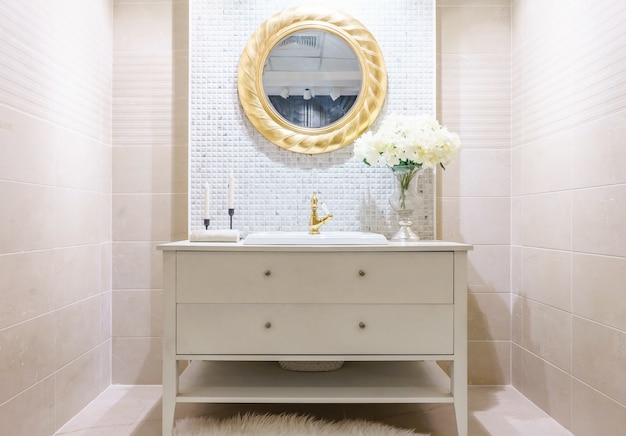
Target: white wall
column 274, row 186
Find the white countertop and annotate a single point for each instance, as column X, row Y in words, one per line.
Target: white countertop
column 239, row 246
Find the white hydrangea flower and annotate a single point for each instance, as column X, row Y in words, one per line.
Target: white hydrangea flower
column 418, row 141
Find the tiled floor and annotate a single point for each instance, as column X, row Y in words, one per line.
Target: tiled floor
column 494, row 411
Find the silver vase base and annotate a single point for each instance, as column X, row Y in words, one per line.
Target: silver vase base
column 405, row 234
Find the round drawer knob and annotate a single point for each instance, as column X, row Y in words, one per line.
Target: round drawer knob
column 267, row 273
column 361, row 272
column 268, row 325
column 362, row 325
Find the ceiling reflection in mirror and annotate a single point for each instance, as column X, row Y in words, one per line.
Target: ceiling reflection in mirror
column 312, row 78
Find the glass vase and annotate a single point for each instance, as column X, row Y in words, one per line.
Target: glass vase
column 405, row 200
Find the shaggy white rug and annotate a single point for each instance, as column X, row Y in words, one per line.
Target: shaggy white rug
column 283, row 425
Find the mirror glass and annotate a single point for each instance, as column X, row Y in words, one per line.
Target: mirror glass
column 312, row 78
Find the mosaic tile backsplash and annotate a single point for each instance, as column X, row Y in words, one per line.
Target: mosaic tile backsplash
column 273, row 186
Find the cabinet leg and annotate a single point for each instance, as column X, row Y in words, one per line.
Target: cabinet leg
column 460, row 410
column 170, row 364
column 168, row 419
column 170, row 390
column 459, row 390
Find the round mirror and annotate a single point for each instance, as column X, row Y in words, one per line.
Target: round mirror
column 312, row 80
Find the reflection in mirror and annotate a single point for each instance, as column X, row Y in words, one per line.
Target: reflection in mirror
column 312, row 78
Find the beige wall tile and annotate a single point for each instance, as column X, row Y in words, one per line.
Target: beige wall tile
column 478, row 173
column 143, row 108
column 473, row 98
column 599, row 357
column 489, row 362
column 81, row 162
column 137, row 361
column 517, row 320
column 474, row 30
column 78, row 329
column 141, row 217
column 543, row 83
column 136, row 265
column 30, row 413
column 26, row 148
column 142, row 27
column 517, row 270
column 77, row 273
column 26, row 288
column 488, row 269
column 463, row 220
column 532, row 19
column 516, row 171
column 137, row 313
column 180, row 28
column 489, row 317
column 106, row 260
column 181, row 89
column 517, row 123
column 599, row 220
column 27, row 355
column 106, row 367
column 180, row 125
column 29, row 218
column 547, row 277
column 547, row 333
column 598, row 152
column 27, row 84
column 517, row 220
column 598, row 289
column 105, row 316
column 546, row 220
column 77, row 384
column 594, row 413
column 106, row 217
column 150, row 170
column 545, row 106
column 544, row 384
column 538, row 158
column 598, row 79
column 78, row 217
column 516, row 367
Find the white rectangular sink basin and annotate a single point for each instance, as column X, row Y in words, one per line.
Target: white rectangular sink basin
column 324, row 238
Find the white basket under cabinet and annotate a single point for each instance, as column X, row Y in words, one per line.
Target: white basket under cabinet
column 388, row 311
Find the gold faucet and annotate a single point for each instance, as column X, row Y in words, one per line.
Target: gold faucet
column 316, row 222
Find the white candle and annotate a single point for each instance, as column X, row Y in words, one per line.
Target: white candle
column 207, row 202
column 231, row 192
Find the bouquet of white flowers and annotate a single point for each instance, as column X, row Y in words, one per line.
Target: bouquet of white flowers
column 413, row 141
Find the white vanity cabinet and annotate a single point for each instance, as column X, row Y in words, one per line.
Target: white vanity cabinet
column 388, row 311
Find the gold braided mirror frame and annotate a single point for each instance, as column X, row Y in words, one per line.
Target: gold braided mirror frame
column 272, row 125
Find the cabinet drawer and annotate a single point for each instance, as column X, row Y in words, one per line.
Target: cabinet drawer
column 314, row 329
column 315, row 277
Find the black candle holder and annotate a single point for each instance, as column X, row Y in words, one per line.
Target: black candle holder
column 231, row 212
